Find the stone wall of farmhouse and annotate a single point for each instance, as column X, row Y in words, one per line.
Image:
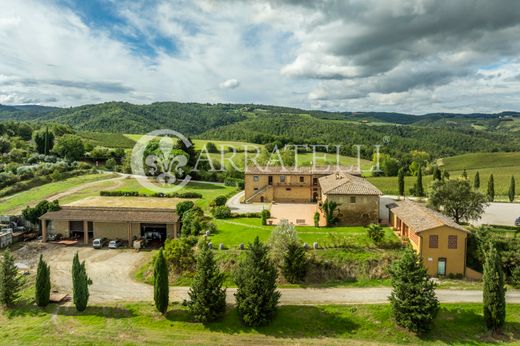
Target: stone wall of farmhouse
column 356, row 210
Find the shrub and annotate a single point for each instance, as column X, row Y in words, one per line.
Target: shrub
column 317, row 219
column 329, row 208
column 413, row 300
column 221, row 212
column 111, row 164
column 179, row 254
column 219, row 201
column 294, row 266
column 256, row 296
column 376, row 233
column 192, row 222
column 207, row 297
column 43, row 283
column 282, row 236
column 160, row 283
column 515, row 277
column 264, row 215
column 183, row 207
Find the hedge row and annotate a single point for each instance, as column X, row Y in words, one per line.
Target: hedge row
column 157, row 194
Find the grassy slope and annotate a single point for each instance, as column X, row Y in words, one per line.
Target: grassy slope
column 35, row 195
column 109, row 140
column 501, row 165
column 138, row 323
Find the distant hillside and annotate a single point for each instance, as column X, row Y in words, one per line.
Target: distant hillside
column 442, row 134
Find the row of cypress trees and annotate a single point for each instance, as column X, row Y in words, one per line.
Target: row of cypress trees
column 415, row 305
column 256, row 297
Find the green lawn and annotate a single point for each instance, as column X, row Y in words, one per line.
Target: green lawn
column 139, row 323
column 209, row 191
column 14, row 203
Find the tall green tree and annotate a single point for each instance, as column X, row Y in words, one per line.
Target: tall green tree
column 207, row 297
column 494, row 291
column 161, row 289
column 464, row 174
column 80, row 283
column 70, row 147
column 491, row 189
column 476, row 181
column 43, row 283
column 44, row 140
column 456, row 199
column 400, row 181
column 512, row 190
column 413, row 300
column 256, row 297
column 436, row 173
column 418, row 188
column 10, row 281
column 294, row 264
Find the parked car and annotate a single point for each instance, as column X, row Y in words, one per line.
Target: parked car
column 98, row 243
column 114, row 244
column 55, row 237
column 517, row 222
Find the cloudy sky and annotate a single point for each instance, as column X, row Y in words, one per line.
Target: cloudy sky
column 414, row 56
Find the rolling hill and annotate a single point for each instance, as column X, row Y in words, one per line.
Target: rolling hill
column 441, row 134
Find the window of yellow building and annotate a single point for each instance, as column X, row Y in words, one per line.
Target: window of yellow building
column 434, row 241
column 452, row 242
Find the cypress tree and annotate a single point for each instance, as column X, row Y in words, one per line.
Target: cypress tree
column 10, row 280
column 476, row 181
column 464, row 174
column 400, row 181
column 437, row 173
column 207, row 297
column 160, row 283
column 413, row 300
column 512, row 189
column 256, row 296
column 80, row 283
column 491, row 188
column 494, row 291
column 294, row 265
column 445, row 174
column 419, row 189
column 43, row 283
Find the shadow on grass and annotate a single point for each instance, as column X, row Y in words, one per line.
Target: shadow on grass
column 289, row 322
column 99, row 311
column 204, row 186
column 456, row 325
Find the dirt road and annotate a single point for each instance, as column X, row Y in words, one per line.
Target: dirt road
column 111, row 273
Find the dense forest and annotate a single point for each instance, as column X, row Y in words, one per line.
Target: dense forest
column 440, row 134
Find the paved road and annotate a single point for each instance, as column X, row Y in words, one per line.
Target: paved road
column 500, row 214
column 241, row 208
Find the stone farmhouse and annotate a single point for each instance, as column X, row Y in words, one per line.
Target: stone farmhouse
column 357, row 198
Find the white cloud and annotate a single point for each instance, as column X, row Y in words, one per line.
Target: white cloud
column 229, row 84
column 407, row 56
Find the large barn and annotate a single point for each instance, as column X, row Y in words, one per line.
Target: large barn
column 125, row 218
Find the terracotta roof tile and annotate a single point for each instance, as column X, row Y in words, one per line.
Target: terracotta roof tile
column 420, row 218
column 105, row 214
column 317, row 170
column 347, row 184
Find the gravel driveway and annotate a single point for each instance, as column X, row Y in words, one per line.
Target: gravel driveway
column 503, row 214
column 111, row 270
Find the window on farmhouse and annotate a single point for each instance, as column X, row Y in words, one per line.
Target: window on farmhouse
column 353, row 199
column 255, row 178
column 452, row 242
column 302, row 179
column 434, row 241
column 282, row 179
